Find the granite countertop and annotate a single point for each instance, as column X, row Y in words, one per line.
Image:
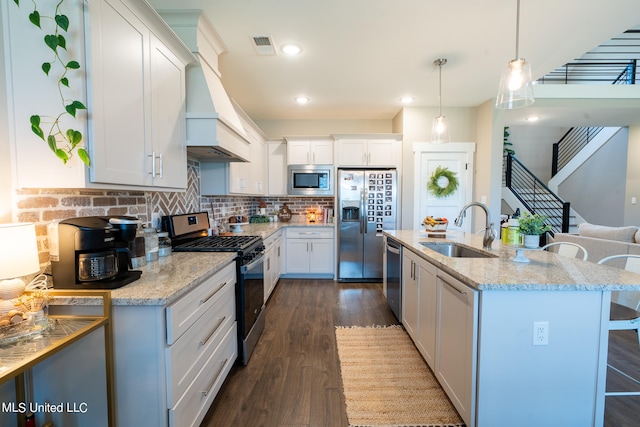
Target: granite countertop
column 546, row 271
column 164, row 281
column 266, row 229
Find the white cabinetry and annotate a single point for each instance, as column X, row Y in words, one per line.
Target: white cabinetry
column 309, row 151
column 276, row 168
column 272, row 262
column 309, row 251
column 365, row 151
column 248, row 178
column 440, row 314
column 457, row 333
column 419, row 303
column 134, row 72
column 171, row 361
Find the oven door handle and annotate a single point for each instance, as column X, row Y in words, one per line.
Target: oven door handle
column 256, row 260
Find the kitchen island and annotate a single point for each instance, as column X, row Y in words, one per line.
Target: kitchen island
column 511, row 343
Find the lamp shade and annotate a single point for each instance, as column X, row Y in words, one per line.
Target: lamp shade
column 18, row 250
column 516, row 89
column 439, row 131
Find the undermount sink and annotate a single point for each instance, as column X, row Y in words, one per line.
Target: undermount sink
column 455, row 250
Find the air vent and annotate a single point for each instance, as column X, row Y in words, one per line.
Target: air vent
column 263, row 45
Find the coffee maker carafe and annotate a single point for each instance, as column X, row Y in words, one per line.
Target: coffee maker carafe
column 92, row 252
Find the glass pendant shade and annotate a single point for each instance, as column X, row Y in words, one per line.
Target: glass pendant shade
column 516, row 89
column 439, row 131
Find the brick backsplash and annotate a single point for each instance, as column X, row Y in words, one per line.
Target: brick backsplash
column 45, row 205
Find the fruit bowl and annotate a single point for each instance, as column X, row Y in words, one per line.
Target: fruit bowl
column 435, row 225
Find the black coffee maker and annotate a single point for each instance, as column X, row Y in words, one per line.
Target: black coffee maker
column 92, row 252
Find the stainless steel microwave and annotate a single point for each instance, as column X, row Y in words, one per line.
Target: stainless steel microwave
column 310, row 180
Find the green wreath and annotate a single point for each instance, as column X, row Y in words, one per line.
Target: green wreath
column 443, row 182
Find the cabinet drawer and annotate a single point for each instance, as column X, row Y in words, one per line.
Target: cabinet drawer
column 193, row 405
column 272, row 239
column 310, row 232
column 187, row 310
column 188, row 354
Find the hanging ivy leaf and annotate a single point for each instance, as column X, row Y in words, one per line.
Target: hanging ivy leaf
column 84, row 156
column 34, row 18
column 62, row 42
column 35, row 126
column 74, row 137
column 53, row 145
column 62, row 21
column 74, row 106
column 64, row 81
column 62, row 155
column 46, row 67
column 74, row 65
column 51, row 40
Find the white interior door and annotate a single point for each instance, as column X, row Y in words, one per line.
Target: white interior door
column 457, row 158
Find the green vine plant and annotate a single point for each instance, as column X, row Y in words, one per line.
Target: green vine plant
column 62, row 142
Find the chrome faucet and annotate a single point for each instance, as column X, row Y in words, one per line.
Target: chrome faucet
column 488, row 231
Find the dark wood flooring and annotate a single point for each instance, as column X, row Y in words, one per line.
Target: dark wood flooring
column 293, row 377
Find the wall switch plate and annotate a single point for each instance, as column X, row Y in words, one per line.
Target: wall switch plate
column 540, row 333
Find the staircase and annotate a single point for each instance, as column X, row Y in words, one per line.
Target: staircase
column 525, row 190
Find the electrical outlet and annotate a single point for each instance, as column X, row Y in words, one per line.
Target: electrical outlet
column 540, row 333
column 155, row 220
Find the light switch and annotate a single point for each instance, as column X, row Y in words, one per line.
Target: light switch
column 633, row 200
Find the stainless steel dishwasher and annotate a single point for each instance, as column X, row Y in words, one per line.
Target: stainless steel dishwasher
column 393, row 276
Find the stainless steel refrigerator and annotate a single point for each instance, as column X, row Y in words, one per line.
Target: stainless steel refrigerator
column 366, row 205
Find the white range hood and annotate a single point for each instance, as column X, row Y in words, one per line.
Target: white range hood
column 214, row 129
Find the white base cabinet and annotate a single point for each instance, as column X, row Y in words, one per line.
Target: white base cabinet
column 171, row 361
column 309, row 252
column 272, row 262
column 440, row 314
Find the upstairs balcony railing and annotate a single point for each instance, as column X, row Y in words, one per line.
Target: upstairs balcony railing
column 593, row 72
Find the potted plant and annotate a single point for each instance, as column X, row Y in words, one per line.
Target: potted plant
column 532, row 226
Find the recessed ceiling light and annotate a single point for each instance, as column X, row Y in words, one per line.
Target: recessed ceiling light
column 532, row 119
column 303, row 100
column 407, row 99
column 291, row 49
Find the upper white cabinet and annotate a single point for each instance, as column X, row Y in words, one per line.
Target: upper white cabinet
column 134, row 77
column 368, row 150
column 276, row 168
column 309, row 151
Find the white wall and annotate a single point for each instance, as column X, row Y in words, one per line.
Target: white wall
column 600, row 197
column 6, row 192
column 279, row 128
column 632, row 212
column 533, row 145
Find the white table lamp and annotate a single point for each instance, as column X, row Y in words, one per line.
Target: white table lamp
column 18, row 257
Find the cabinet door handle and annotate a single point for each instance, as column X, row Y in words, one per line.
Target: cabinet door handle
column 460, row 291
column 368, row 158
column 161, row 164
column 153, row 164
column 268, row 264
column 311, row 246
column 202, row 301
column 215, row 377
column 213, row 331
column 314, row 157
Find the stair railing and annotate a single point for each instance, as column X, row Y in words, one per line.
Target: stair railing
column 570, row 144
column 535, row 195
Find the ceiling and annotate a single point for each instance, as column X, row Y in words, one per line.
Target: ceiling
column 361, row 56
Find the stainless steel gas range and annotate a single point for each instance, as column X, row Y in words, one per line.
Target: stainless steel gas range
column 189, row 233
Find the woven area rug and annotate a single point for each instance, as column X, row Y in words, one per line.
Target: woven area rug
column 387, row 383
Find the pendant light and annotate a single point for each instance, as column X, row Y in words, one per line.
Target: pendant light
column 440, row 130
column 516, row 89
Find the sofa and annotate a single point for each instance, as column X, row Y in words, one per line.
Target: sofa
column 602, row 241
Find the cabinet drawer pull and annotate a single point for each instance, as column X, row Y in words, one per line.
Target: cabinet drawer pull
column 461, row 292
column 206, row 392
column 213, row 331
column 202, row 301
